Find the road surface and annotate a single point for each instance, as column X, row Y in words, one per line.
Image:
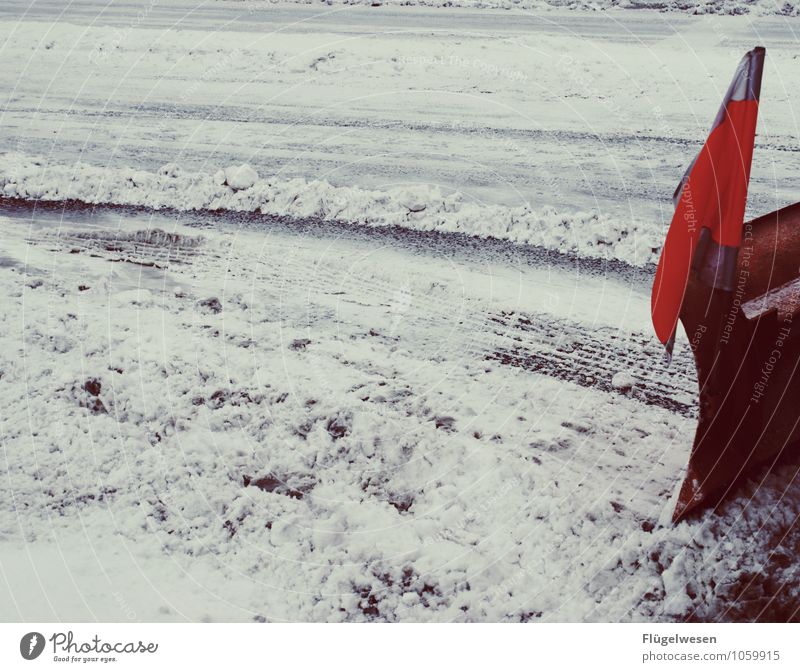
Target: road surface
column 578, row 110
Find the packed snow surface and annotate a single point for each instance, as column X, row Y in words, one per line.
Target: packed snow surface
column 578, row 112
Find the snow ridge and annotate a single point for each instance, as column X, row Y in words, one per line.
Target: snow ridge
column 731, row 7
column 240, row 189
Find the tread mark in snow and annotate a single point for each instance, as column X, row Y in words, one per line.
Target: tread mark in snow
column 571, row 353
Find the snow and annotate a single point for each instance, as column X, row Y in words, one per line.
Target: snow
column 758, row 7
column 579, row 112
column 240, row 177
column 212, row 417
column 326, row 447
column 422, row 208
column 623, row 380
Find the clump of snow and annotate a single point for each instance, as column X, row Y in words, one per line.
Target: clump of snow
column 424, row 208
column 240, row 177
column 412, row 201
column 623, row 380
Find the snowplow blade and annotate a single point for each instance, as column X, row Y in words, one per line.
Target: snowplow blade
column 746, row 346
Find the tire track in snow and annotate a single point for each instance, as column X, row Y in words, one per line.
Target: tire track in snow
column 286, row 118
column 586, row 355
column 573, row 354
column 437, row 321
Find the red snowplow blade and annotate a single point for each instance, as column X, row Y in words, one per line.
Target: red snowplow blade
column 746, row 346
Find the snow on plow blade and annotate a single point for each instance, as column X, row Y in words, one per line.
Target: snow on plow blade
column 747, row 352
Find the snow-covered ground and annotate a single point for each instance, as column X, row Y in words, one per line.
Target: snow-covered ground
column 238, row 415
column 581, row 111
column 274, row 424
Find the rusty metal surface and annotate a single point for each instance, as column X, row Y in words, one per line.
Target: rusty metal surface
column 748, row 369
column 783, row 300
